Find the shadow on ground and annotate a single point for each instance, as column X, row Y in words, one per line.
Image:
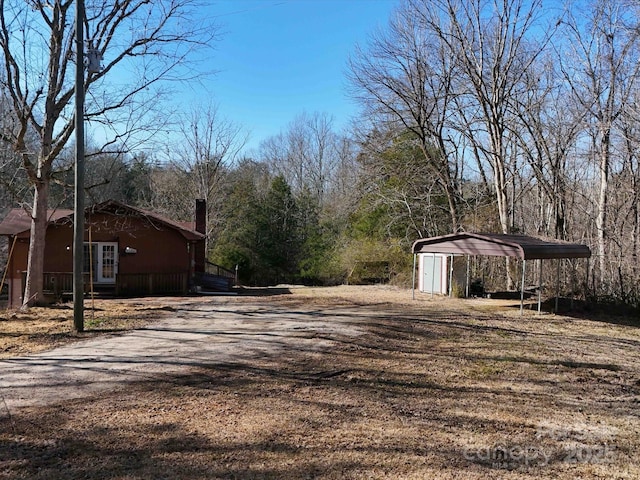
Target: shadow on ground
column 262, row 291
column 420, row 394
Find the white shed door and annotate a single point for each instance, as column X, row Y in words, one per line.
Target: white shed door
column 432, row 273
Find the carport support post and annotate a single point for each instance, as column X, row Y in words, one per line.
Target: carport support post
column 451, row 275
column 573, row 281
column 466, row 287
column 433, row 274
column 539, row 284
column 557, row 283
column 413, row 279
column 524, row 267
column 586, row 280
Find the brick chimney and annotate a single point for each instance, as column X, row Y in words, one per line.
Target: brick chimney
column 201, row 227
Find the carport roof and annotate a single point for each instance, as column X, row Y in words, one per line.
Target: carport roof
column 493, row 244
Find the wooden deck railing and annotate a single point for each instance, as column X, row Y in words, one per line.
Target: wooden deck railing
column 140, row 284
column 60, row 284
column 213, row 269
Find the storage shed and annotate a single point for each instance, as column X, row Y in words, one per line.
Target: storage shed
column 522, row 247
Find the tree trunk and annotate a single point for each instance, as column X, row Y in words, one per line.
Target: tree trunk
column 444, row 174
column 502, row 199
column 452, row 200
column 33, row 294
column 601, row 217
column 559, row 206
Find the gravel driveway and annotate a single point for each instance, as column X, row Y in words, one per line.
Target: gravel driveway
column 204, row 332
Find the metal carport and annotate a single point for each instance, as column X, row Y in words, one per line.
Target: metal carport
column 492, row 244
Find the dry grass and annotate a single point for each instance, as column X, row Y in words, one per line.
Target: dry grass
column 434, row 389
column 43, row 328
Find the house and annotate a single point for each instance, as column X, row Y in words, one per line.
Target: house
column 128, row 252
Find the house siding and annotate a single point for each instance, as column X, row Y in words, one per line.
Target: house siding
column 159, row 248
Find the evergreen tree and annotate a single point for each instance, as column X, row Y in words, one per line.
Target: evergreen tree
column 278, row 239
column 234, row 243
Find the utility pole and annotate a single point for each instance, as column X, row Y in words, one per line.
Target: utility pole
column 78, row 217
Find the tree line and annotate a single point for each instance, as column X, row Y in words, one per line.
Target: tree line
column 523, row 116
column 510, row 116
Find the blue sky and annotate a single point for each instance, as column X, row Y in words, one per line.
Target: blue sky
column 279, row 58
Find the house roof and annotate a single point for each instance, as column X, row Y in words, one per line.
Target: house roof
column 492, row 244
column 112, row 206
column 18, row 220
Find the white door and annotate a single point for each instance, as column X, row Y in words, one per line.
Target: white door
column 432, row 273
column 107, row 267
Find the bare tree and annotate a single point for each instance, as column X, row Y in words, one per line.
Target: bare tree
column 550, row 126
column 395, row 179
column 211, row 146
column 142, row 43
column 14, row 186
column 341, row 197
column 623, row 244
column 630, row 173
column 599, row 61
column 493, row 47
column 405, row 77
column 13, row 182
column 307, row 154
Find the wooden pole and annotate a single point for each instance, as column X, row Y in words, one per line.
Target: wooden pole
column 93, row 306
column 78, row 223
column 586, row 280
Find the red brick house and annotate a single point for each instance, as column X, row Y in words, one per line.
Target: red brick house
column 128, row 251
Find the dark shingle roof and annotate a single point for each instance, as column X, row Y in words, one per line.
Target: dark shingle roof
column 18, row 220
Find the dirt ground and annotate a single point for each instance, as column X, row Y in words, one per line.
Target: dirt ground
column 427, row 388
